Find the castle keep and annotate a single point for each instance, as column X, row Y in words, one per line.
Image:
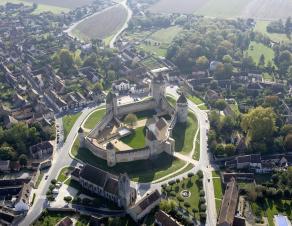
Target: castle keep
column 104, row 140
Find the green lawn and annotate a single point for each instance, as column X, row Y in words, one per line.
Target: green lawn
column 215, row 174
column 41, row 175
column 171, row 101
column 218, row 205
column 195, row 100
column 256, row 49
column 184, row 133
column 136, row 139
column 151, row 63
column 52, row 218
column 268, row 77
column 203, row 107
column 261, row 26
column 193, row 200
column 196, row 155
column 188, row 168
column 269, row 208
column 64, row 173
column 217, row 188
column 94, row 118
column 68, row 122
column 140, row 171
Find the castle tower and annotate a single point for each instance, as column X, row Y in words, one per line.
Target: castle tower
column 151, row 142
column 111, row 103
column 110, row 155
column 182, row 108
column 158, row 88
column 81, row 137
column 124, row 190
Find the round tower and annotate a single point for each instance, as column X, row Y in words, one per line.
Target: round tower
column 182, row 108
column 124, row 190
column 111, row 103
column 81, row 137
column 110, row 155
column 158, row 87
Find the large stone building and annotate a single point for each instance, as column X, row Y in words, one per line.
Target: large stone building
column 104, row 140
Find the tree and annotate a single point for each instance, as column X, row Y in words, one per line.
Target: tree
column 202, row 62
column 220, row 104
column 229, row 149
column 23, row 160
column 227, row 59
column 288, row 142
column 168, row 205
column 262, row 60
column 67, row 199
column 7, row 153
column 131, row 119
column 259, row 124
column 66, row 60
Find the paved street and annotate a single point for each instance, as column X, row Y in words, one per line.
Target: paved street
column 61, row 159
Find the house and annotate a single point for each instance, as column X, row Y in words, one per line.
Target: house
column 229, row 204
column 144, row 206
column 212, row 95
column 111, row 187
column 4, row 165
column 9, row 121
column 121, row 85
column 163, row 219
column 66, row 221
column 22, row 202
column 252, row 161
column 281, row 220
column 41, row 150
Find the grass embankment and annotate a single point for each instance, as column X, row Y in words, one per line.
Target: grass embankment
column 94, row 118
column 64, row 173
column 68, row 122
column 40, row 177
column 184, row 133
column 140, row 171
column 217, row 190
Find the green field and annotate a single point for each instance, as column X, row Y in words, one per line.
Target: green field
column 136, row 139
column 142, row 171
column 197, row 152
column 217, row 188
column 151, row 63
column 94, row 118
column 184, row 133
column 261, row 26
column 255, row 50
column 163, row 38
column 190, row 185
column 40, row 7
column 68, row 122
column 195, row 100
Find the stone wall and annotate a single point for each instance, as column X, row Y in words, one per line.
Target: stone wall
column 99, row 152
column 136, row 107
column 133, row 155
column 101, row 125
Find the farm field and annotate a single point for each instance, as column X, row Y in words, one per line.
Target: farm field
column 69, row 4
column 40, row 7
column 94, row 26
column 159, row 41
column 257, row 9
column 261, row 26
column 255, row 50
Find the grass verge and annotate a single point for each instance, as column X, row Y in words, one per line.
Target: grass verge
column 94, row 118
column 68, row 122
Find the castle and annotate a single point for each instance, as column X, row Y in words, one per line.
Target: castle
column 104, row 140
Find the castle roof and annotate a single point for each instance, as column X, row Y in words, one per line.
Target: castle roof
column 110, row 96
column 150, row 135
column 182, row 98
column 161, row 123
column 94, row 175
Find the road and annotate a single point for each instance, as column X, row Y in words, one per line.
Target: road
column 61, row 159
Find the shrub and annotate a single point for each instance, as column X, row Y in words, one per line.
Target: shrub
column 173, row 193
column 67, row 199
column 202, row 200
column 203, row 207
column 164, row 186
column 168, row 189
column 172, row 182
column 187, row 204
column 179, row 198
column 200, row 173
column 190, row 174
column 202, row 193
column 51, row 187
column 177, row 180
column 194, row 210
column 203, row 216
column 54, row 181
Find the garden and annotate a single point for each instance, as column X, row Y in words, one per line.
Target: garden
column 189, row 199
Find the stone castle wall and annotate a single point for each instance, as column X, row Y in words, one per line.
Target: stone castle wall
column 133, row 155
column 99, row 152
column 101, row 125
column 136, row 107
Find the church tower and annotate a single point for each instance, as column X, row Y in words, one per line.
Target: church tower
column 158, row 88
column 182, row 108
column 111, row 103
column 124, row 190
